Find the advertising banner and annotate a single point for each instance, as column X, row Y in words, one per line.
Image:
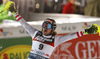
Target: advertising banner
column 86, row 47
column 19, row 31
column 15, row 48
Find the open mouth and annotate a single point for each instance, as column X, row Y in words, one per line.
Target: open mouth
column 45, row 30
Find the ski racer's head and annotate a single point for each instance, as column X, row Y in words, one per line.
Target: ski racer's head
column 48, row 26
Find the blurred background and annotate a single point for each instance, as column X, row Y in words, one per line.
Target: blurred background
column 26, row 8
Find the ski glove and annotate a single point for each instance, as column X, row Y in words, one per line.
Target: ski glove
column 92, row 30
column 11, row 7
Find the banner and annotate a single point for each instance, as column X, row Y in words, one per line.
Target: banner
column 18, row 31
column 86, row 47
column 15, row 48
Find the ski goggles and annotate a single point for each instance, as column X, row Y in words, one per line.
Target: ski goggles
column 47, row 25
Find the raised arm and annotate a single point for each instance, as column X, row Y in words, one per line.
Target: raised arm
column 28, row 27
column 92, row 30
column 61, row 39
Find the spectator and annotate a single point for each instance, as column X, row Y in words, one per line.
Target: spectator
column 47, row 8
column 92, row 8
column 61, row 8
column 76, row 9
column 5, row 14
column 69, row 7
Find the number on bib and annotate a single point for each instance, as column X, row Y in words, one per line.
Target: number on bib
column 41, row 46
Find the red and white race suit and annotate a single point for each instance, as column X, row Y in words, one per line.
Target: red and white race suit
column 44, row 45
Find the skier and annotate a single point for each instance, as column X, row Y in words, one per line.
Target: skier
column 46, row 40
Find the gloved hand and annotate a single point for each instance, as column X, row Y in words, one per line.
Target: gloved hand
column 12, row 7
column 91, row 30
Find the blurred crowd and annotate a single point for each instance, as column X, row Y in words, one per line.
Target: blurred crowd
column 91, row 8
